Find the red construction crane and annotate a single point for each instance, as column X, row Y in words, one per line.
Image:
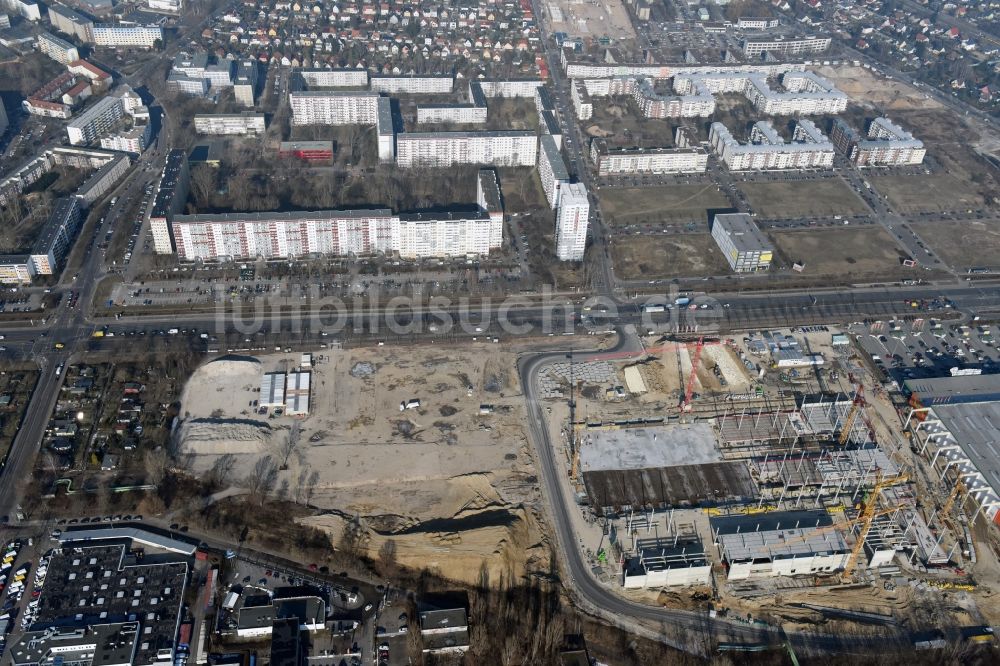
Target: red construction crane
column 695, row 361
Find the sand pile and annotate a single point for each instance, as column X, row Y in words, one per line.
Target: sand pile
column 208, row 436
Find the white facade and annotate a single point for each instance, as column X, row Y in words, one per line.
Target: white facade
column 551, row 170
column 135, row 140
column 168, row 6
column 652, row 160
column 385, row 130
column 768, row 151
column 412, row 84
column 223, row 123
column 95, row 121
column 334, row 108
column 143, row 36
column 272, row 235
column 334, row 78
column 466, row 114
column 756, row 47
column 572, row 220
column 58, row 49
column 444, row 149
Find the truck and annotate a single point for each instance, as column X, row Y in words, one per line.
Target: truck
column 655, row 307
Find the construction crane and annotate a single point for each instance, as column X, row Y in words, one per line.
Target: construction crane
column 959, row 488
column 852, row 415
column 868, row 514
column 695, row 361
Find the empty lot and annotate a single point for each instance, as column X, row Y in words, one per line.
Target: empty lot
column 659, row 257
column 649, row 205
column 863, row 253
column 936, row 192
column 964, row 243
column 813, row 198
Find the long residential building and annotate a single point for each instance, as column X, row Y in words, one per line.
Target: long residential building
column 229, row 123
column 104, row 179
column 56, row 237
column 123, row 34
column 95, row 121
column 171, row 196
column 70, row 22
column 755, row 47
column 572, row 220
column 333, row 78
column 428, row 84
column 362, row 232
column 887, row 144
column 646, row 160
column 551, row 170
column 767, row 150
column 445, row 149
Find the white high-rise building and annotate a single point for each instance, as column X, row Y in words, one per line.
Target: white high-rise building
column 120, row 34
column 320, row 107
column 229, row 123
column 551, row 169
column 571, row 222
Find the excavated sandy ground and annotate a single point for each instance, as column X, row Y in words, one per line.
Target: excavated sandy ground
column 869, row 89
column 359, row 456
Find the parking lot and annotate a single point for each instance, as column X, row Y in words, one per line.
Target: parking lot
column 929, row 348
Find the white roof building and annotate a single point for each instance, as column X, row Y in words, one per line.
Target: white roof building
column 272, row 389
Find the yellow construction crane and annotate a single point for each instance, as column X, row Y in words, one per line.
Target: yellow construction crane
column 959, row 488
column 856, row 405
column 868, row 514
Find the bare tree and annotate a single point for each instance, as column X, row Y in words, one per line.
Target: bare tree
column 156, row 465
column 290, row 443
column 221, row 469
column 262, row 478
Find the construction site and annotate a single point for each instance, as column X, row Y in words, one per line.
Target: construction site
column 762, row 476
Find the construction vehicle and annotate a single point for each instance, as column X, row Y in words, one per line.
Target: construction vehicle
column 959, row 488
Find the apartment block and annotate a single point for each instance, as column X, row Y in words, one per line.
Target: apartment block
column 612, row 162
column 767, row 150
column 427, row 85
column 58, row 49
column 134, row 140
column 104, row 179
column 363, row 232
column 70, row 22
column 16, row 269
column 230, row 123
column 551, row 170
column 887, row 144
column 385, row 130
column 581, row 100
column 56, row 236
column 171, row 196
column 743, row 244
column 319, row 107
column 245, row 82
column 444, row 149
column 333, row 78
column 572, row 220
column 756, row 47
column 95, row 121
column 122, row 34
column 464, row 114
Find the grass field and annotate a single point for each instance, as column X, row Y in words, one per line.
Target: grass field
column 644, row 205
column 863, row 253
column 830, row 196
column 936, row 192
column 660, row 257
column 963, row 244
